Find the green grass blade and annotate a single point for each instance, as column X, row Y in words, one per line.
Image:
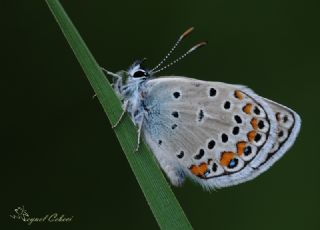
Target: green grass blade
column 159, row 196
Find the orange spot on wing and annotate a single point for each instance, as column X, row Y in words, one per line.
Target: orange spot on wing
column 240, row 147
column 251, row 135
column 247, row 108
column 199, row 170
column 238, row 94
column 254, row 123
column 226, row 157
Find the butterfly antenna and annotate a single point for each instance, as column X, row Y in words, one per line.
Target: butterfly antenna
column 194, row 48
column 184, row 35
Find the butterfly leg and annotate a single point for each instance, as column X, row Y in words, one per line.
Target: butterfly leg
column 139, row 134
column 116, row 76
column 124, row 107
column 110, row 73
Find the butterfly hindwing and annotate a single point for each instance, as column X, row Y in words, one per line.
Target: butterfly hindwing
column 213, row 132
column 288, row 126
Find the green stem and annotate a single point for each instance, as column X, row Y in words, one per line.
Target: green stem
column 155, row 188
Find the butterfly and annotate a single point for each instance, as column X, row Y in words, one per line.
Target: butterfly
column 216, row 134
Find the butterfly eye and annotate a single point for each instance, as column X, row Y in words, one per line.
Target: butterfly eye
column 139, row 73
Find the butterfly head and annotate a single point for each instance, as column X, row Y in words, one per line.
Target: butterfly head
column 138, row 71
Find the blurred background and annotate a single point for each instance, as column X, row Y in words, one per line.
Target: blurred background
column 58, row 150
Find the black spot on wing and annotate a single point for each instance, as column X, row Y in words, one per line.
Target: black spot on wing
column 176, row 95
column 199, row 155
column 175, row 114
column 257, row 137
column 238, row 119
column 214, row 167
column 224, row 138
column 227, row 105
column 261, row 124
column 256, row 110
column 212, row 92
column 236, row 130
column 180, row 155
column 211, row 144
column 200, row 115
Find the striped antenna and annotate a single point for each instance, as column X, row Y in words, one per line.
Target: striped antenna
column 201, row 44
column 184, row 35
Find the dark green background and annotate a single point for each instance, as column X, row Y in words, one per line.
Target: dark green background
column 59, row 153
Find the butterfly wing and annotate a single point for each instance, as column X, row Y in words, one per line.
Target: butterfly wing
column 216, row 133
column 288, row 127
